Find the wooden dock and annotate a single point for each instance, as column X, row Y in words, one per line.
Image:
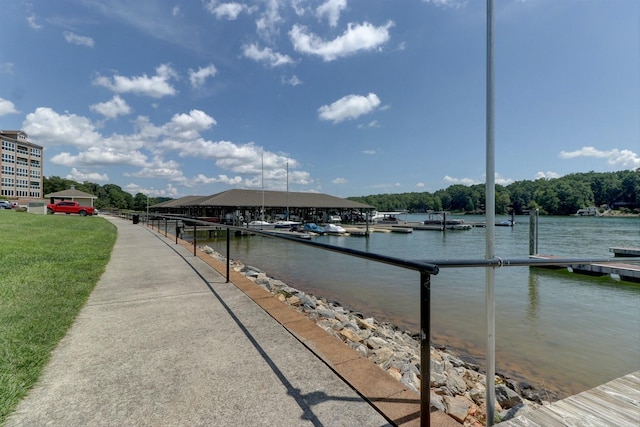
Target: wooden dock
column 625, row 252
column 616, row 403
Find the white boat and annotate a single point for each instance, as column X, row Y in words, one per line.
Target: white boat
column 261, row 225
column 388, row 217
column 286, row 224
column 333, row 229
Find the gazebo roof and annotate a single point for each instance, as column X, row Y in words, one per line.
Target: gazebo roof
column 71, row 193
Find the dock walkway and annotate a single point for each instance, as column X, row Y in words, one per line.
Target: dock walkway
column 616, row 403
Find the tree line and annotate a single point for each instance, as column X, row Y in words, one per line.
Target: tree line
column 109, row 196
column 558, row 196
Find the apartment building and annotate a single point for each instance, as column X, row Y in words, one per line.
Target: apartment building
column 21, row 173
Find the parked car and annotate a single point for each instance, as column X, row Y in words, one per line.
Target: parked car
column 4, row 204
column 70, row 207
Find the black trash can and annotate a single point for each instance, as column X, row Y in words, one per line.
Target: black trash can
column 136, row 218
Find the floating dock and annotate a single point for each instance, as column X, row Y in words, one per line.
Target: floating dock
column 616, row 403
column 626, row 272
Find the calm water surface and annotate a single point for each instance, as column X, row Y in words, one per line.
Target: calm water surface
column 554, row 329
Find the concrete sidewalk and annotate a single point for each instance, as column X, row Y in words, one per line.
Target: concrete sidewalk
column 163, row 340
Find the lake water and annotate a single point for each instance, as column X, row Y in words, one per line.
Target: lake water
column 554, row 329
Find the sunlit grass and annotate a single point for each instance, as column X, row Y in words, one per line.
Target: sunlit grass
column 49, row 264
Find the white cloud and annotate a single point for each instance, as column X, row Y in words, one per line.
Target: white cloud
column 293, row 81
column 112, row 108
column 464, row 181
column 175, row 11
column 470, row 181
column 134, row 189
column 229, row 11
column 356, row 38
column 372, row 124
column 420, row 185
column 159, row 168
column 267, row 24
column 266, row 55
column 339, row 181
column 331, row 9
column 502, row 180
column 349, row 107
column 77, row 39
column 79, row 176
column 369, row 152
column 100, row 156
column 547, row 175
column 224, row 179
column 50, row 128
column 155, row 86
column 147, row 147
column 448, row 3
column 31, row 20
column 7, row 67
column 617, row 158
column 197, row 78
column 7, row 107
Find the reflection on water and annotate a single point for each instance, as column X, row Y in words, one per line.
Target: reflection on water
column 534, row 299
column 555, row 329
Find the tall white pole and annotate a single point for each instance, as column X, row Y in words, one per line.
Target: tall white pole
column 490, row 204
column 262, row 164
column 287, row 218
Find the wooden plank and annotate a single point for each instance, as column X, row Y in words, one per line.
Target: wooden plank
column 616, row 403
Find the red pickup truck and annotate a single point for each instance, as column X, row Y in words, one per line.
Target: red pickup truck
column 69, row 207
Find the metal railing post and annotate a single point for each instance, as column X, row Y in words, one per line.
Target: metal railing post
column 195, row 237
column 228, row 252
column 425, row 349
column 166, row 223
column 177, row 230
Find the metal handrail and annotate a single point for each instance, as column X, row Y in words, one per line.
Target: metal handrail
column 426, row 268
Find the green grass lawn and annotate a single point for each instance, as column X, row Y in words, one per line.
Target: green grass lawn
column 49, row 264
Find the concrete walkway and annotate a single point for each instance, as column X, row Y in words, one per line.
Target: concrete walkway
column 164, row 341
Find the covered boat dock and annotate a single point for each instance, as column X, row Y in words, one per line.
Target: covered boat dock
column 236, row 206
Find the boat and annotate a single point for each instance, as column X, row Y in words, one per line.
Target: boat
column 590, row 211
column 261, row 225
column 333, row 229
column 312, row 227
column 440, row 219
column 461, row 226
column 386, row 217
column 506, row 223
column 286, row 223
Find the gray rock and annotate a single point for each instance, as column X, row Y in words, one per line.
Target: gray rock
column 376, row 342
column 323, row 312
column 455, row 383
column 308, row 301
column 457, row 407
column 506, row 397
column 438, row 402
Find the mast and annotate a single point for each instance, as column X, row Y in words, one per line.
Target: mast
column 262, row 176
column 287, row 214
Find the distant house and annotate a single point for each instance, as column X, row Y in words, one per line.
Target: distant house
column 84, row 199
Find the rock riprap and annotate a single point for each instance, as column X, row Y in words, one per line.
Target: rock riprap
column 457, row 387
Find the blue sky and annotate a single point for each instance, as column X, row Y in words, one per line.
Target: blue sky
column 351, row 97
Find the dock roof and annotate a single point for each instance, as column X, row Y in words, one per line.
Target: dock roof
column 254, row 198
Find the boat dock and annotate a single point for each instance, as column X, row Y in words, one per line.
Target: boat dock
column 625, row 252
column 616, row 403
column 626, row 272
